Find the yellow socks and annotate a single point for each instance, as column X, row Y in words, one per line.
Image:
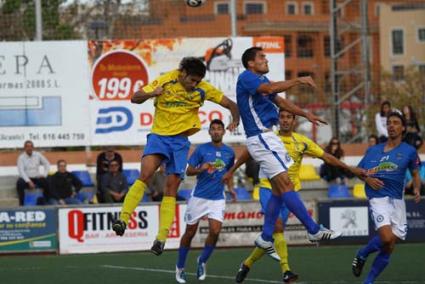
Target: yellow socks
column 132, row 199
column 166, row 217
column 281, row 250
column 255, row 255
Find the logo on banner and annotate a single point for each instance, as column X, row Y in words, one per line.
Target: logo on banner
column 270, row 44
column 88, row 225
column 351, row 221
column 113, row 119
column 22, row 216
column 118, row 74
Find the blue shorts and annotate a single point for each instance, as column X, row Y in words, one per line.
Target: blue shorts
column 265, row 194
column 174, row 149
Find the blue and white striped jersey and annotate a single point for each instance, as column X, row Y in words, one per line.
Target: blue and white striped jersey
column 258, row 112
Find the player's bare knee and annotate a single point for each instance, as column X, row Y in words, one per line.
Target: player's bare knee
column 145, row 176
column 191, row 230
column 213, row 236
column 388, row 247
column 282, row 183
column 190, row 234
column 388, row 243
column 214, row 232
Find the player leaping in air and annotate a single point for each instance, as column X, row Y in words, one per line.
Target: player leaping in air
column 257, row 100
column 297, row 146
column 178, row 95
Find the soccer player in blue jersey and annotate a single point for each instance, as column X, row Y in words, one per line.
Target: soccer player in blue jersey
column 209, row 162
column 387, row 164
column 258, row 105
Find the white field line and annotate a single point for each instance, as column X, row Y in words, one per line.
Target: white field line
column 249, row 279
column 188, row 273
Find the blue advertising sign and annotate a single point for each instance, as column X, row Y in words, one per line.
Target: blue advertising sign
column 352, row 218
column 28, row 230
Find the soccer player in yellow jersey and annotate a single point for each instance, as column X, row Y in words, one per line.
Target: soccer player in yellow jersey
column 177, row 97
column 297, row 146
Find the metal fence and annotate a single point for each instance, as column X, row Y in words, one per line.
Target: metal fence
column 305, row 26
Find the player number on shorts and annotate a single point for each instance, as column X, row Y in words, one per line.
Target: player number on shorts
column 111, row 88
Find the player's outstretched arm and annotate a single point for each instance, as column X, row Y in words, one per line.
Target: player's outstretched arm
column 234, row 111
column 192, row 171
column 289, row 106
column 242, row 159
column 231, row 189
column 332, row 160
column 416, row 185
column 141, row 96
column 282, row 86
column 375, row 183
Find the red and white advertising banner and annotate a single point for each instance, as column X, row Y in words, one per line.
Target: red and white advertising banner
column 243, row 222
column 121, row 67
column 44, row 89
column 89, row 229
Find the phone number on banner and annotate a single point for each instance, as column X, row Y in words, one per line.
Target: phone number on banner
column 60, row 136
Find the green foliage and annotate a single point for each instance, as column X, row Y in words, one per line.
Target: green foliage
column 17, row 20
column 11, row 6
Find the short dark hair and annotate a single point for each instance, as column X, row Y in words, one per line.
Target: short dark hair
column 374, row 137
column 28, row 141
column 282, row 109
column 249, row 55
column 216, row 121
column 193, row 66
column 60, row 161
column 388, row 103
column 399, row 115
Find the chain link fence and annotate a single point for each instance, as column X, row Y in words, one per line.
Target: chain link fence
column 303, row 24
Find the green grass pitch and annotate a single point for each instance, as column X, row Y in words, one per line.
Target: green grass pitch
column 324, row 265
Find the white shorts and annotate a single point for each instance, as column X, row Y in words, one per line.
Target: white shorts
column 200, row 207
column 268, row 150
column 392, row 212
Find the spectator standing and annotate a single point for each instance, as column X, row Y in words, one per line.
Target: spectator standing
column 381, row 121
column 64, row 186
column 413, row 130
column 102, row 167
column 114, row 184
column 30, row 177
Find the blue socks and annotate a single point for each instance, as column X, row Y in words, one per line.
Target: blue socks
column 381, row 261
column 372, row 246
column 206, row 253
column 296, row 206
column 270, row 216
column 183, row 251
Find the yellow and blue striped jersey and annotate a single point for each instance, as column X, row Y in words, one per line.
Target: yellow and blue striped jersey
column 176, row 110
column 297, row 145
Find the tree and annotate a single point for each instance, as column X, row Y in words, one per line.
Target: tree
column 17, row 20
